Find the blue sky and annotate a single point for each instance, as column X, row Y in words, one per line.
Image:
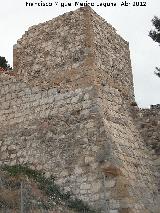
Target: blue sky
column 132, row 23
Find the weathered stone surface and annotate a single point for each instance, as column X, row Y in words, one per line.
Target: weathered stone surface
column 67, row 113
column 148, row 123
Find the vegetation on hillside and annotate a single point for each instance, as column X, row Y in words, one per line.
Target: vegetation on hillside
column 55, row 196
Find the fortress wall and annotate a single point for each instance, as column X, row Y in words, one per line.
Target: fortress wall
column 21, row 103
column 65, row 117
column 148, row 123
column 112, row 57
column 74, row 136
column 129, row 153
column 58, row 133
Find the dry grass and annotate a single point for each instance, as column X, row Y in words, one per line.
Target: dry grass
column 10, row 198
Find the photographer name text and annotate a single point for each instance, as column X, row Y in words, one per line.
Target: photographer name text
column 86, row 3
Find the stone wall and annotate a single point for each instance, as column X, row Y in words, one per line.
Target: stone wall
column 128, row 153
column 112, row 57
column 148, row 123
column 53, row 132
column 66, row 113
column 53, row 59
column 79, row 137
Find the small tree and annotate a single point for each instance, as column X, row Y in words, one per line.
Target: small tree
column 4, row 63
column 157, row 72
column 155, row 35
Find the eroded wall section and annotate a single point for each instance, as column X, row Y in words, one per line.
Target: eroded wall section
column 84, row 137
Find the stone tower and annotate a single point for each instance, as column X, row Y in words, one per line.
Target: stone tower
column 74, row 50
column 66, row 112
